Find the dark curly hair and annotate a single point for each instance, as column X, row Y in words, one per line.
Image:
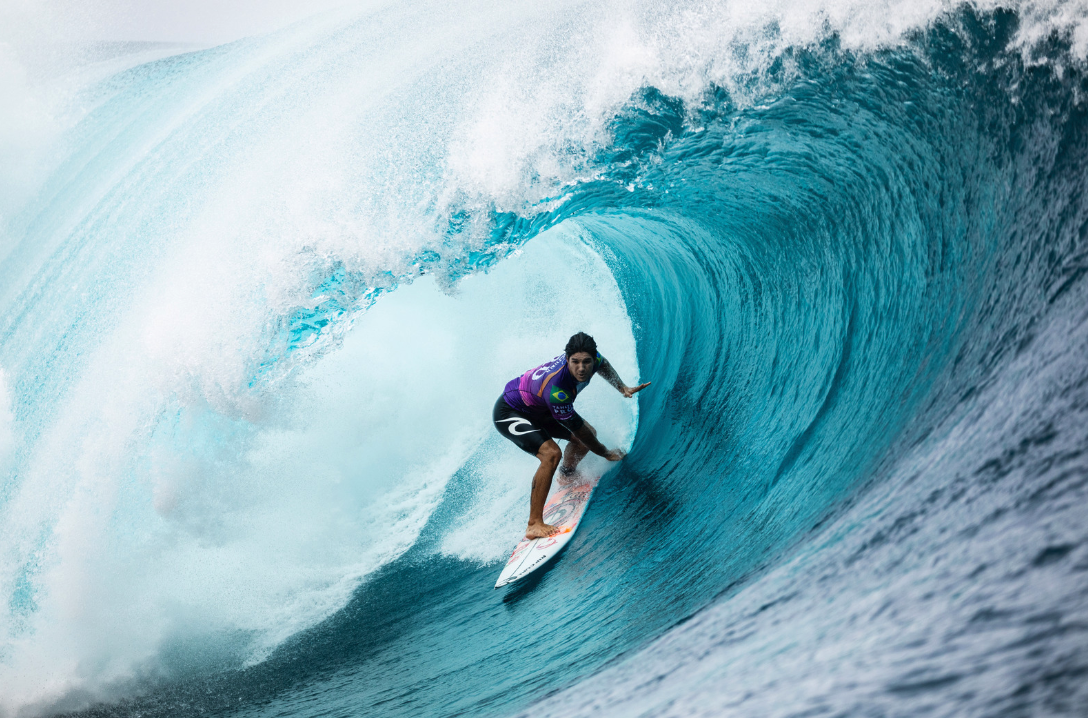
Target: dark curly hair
column 581, row 342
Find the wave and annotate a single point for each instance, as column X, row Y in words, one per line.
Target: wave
column 254, row 319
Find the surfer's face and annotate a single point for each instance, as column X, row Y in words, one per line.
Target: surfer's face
column 580, row 365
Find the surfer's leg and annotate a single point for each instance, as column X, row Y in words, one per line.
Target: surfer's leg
column 574, row 453
column 549, row 455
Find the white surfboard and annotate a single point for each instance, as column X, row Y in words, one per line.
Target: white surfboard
column 564, row 509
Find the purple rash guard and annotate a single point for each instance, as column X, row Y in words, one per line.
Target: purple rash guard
column 549, row 390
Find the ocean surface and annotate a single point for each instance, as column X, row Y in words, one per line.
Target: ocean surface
column 256, row 301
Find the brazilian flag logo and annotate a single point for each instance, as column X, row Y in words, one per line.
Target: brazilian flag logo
column 559, row 396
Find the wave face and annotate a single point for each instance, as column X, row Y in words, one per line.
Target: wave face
column 254, row 320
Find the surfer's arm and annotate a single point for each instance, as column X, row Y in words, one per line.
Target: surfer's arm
column 588, row 436
column 609, row 374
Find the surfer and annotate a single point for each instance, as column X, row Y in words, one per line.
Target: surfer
column 537, row 408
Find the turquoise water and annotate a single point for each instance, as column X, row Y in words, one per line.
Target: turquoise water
column 255, row 317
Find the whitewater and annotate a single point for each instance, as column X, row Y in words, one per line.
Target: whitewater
column 258, row 298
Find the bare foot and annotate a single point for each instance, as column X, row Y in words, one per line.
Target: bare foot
column 568, row 478
column 540, row 530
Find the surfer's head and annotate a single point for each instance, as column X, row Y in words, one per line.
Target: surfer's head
column 581, row 356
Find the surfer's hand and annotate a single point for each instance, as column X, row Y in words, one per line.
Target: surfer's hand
column 629, row 391
column 615, row 454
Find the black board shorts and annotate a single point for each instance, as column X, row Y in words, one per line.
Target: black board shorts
column 528, row 432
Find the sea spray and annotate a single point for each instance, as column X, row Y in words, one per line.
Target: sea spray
column 7, row 425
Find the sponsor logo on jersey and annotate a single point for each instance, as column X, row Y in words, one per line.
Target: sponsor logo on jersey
column 543, row 369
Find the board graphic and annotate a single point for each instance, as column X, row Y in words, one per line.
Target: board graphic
column 564, row 509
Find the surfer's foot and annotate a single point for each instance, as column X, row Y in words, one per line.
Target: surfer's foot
column 540, row 529
column 567, row 476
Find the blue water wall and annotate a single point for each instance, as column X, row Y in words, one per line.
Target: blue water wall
column 255, row 318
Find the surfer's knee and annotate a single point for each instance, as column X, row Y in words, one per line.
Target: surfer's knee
column 549, row 453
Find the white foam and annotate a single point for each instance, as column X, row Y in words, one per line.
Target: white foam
column 182, row 505
column 26, row 126
column 7, row 428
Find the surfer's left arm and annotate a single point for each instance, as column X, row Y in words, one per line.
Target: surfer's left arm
column 609, row 374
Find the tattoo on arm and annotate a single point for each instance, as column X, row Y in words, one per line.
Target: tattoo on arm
column 609, row 374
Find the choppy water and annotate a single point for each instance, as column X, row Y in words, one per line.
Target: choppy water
column 254, row 319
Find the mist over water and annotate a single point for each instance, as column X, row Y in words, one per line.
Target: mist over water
column 258, row 299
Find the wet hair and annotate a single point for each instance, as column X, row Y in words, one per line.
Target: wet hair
column 581, row 342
